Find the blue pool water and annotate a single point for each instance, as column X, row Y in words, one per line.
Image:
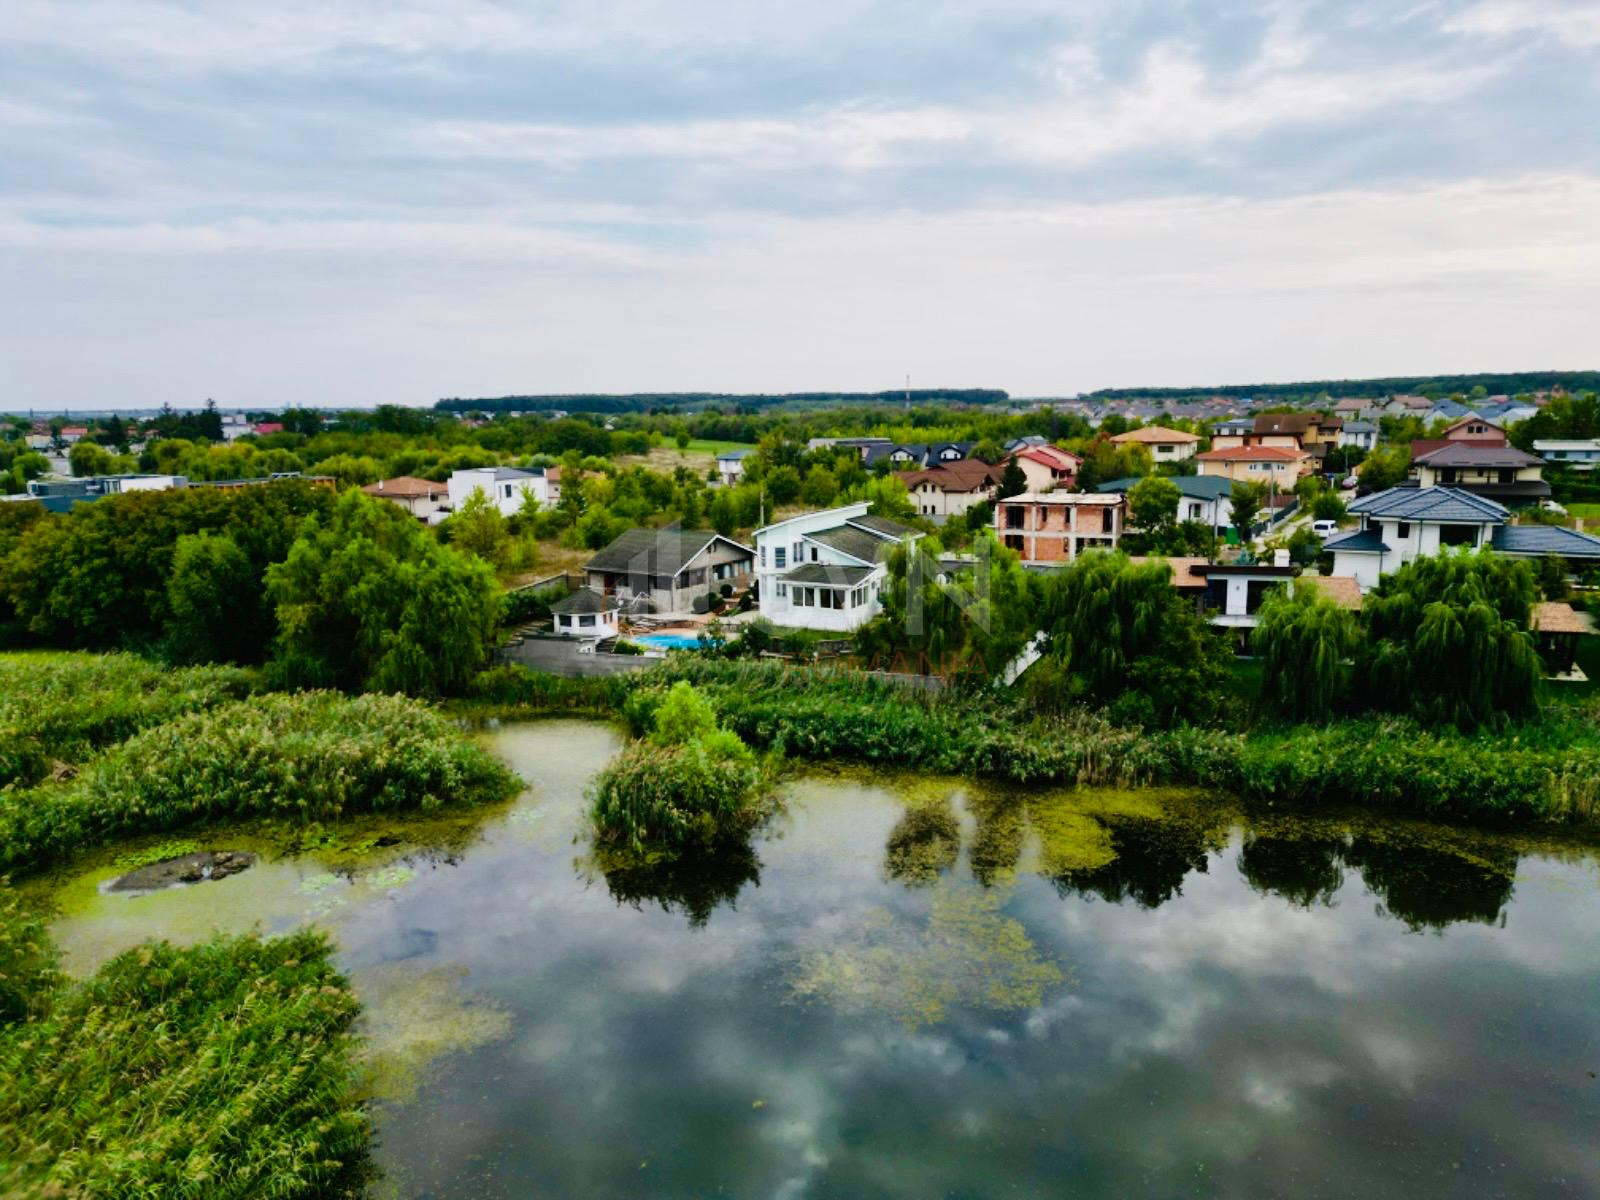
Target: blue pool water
column 668, row 641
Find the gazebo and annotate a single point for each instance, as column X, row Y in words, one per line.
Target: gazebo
column 1557, row 629
column 586, row 614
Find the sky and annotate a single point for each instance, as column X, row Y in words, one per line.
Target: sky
column 389, row 201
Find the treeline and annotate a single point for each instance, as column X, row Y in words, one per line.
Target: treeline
column 1308, row 391
column 644, row 402
column 323, row 590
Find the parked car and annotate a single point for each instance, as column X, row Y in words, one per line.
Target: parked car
column 1324, row 529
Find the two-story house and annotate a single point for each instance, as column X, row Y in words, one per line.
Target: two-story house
column 1055, row 527
column 1362, row 435
column 1047, row 467
column 1204, row 499
column 1403, row 524
column 1165, row 445
column 826, row 570
column 1581, row 454
column 950, row 489
column 668, row 568
column 1501, row 473
column 1276, row 465
column 730, row 465
column 507, row 487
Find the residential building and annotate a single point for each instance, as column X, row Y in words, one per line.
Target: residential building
column 1362, row 435
column 950, row 489
column 1356, row 408
column 730, row 466
column 427, row 501
column 826, row 570
column 1501, row 473
column 1055, row 527
column 1165, row 445
column 1235, row 591
column 73, row 433
column 1471, row 430
column 587, row 613
column 1232, row 433
column 1581, row 454
column 668, row 569
column 1204, row 498
column 1047, row 468
column 916, row 454
column 1402, row 524
column 59, row 495
column 1273, row 465
column 508, row 487
column 264, row 428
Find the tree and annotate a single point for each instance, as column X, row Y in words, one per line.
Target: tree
column 988, row 450
column 208, row 424
column 1012, row 480
column 1385, row 467
column 370, row 601
column 819, row 488
column 214, row 602
column 90, row 458
column 480, row 528
column 1153, row 504
column 1328, row 507
column 1305, row 641
column 1244, row 504
column 724, row 513
column 783, row 485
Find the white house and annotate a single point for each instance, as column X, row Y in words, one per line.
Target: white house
column 1581, row 454
column 730, row 466
column 825, row 570
column 1361, row 434
column 508, row 487
column 586, row 613
column 1403, row 524
column 427, row 501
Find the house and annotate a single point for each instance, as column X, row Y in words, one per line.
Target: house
column 1232, row 433
column 916, row 454
column 1406, row 406
column 587, row 613
column 73, row 433
column 1356, row 408
column 950, row 489
column 1047, row 467
column 1204, row 498
column 1471, row 430
column 39, row 441
column 1402, row 524
column 59, row 495
column 1502, row 473
column 1165, row 445
column 668, row 569
column 508, row 487
column 1276, row 465
column 427, row 501
column 263, row 428
column 1235, row 591
column 826, row 570
column 730, row 466
column 1362, row 435
column 1581, row 454
column 1055, row 527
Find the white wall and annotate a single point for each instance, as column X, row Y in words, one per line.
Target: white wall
column 1363, row 566
column 463, row 483
column 602, row 625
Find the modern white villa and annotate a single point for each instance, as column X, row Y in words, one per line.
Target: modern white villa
column 508, row 487
column 1403, row 524
column 825, row 570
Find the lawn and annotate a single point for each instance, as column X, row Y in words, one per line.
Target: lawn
column 1588, row 511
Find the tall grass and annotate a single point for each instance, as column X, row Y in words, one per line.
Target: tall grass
column 223, row 1071
column 69, row 705
column 310, row 756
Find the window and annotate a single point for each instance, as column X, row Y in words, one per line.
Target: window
column 762, row 550
column 566, row 622
column 508, row 491
column 1014, row 517
column 586, row 622
column 813, row 554
column 1508, row 475
column 1014, row 542
column 1402, row 530
column 783, row 591
column 1107, row 520
column 799, row 552
column 780, row 557
column 1458, row 535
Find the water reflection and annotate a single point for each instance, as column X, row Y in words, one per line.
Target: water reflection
column 694, row 887
column 923, row 844
column 1430, row 889
column 1150, row 860
column 1303, row 871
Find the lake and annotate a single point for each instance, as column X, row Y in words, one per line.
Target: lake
column 919, row 987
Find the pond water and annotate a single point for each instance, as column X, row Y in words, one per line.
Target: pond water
column 917, row 988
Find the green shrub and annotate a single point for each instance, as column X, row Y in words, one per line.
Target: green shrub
column 312, row 756
column 67, row 706
column 672, row 798
column 224, row 1071
column 27, row 962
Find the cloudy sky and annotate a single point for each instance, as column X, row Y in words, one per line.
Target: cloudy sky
column 363, row 201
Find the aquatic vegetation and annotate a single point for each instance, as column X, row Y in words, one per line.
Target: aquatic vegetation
column 159, row 852
column 966, row 955
column 412, row 1019
column 225, row 1070
column 67, row 706
column 923, row 844
column 389, row 878
column 309, row 757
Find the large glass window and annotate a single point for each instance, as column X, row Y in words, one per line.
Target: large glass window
column 780, row 557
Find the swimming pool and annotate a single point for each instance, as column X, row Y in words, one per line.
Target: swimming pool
column 668, row 641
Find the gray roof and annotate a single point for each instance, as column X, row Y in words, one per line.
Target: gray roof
column 517, row 473
column 1195, row 487
column 1367, row 540
column 733, row 454
column 584, row 601
column 857, row 543
column 882, row 525
column 1465, row 454
column 1360, row 427
column 1431, row 504
column 824, row 573
column 656, row 551
column 1546, row 539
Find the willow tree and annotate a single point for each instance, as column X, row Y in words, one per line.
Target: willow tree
column 1448, row 640
column 1305, row 641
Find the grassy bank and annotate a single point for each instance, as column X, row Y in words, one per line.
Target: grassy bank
column 226, row 1070
column 68, row 706
column 295, row 758
column 1543, row 771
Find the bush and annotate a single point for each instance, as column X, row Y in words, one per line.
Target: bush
column 313, row 756
column 225, row 1071
column 27, row 961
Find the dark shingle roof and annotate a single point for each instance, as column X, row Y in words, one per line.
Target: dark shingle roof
column 1359, row 539
column 654, row 551
column 857, row 543
column 1195, row 487
column 1430, row 504
column 583, row 601
column 1546, row 539
column 882, row 525
column 824, row 573
column 1466, row 454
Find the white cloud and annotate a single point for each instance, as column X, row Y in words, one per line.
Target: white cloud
column 1575, row 24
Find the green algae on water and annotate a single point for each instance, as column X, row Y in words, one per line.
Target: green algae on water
column 412, row 1019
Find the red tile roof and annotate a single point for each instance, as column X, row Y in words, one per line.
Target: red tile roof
column 1254, row 454
column 1050, row 456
